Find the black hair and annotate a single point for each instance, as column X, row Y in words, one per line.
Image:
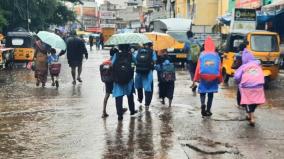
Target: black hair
column 73, row 33
column 189, row 34
column 124, row 47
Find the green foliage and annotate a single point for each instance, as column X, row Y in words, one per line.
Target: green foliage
column 42, row 13
column 3, row 20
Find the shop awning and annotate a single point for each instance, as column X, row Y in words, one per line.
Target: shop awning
column 225, row 19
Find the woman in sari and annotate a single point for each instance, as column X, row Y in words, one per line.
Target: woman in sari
column 41, row 62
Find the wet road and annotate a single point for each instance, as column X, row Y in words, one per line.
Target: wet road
column 66, row 123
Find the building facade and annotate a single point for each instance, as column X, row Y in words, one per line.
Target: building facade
column 87, row 14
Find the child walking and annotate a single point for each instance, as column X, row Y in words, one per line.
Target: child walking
column 166, row 77
column 209, row 75
column 54, row 67
column 251, row 81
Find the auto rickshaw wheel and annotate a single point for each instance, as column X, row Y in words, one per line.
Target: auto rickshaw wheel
column 226, row 77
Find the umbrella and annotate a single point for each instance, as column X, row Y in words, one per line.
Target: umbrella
column 161, row 41
column 127, row 38
column 52, row 39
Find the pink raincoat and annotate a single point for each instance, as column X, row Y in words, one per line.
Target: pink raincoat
column 251, row 80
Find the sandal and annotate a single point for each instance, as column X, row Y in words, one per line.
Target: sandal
column 104, row 115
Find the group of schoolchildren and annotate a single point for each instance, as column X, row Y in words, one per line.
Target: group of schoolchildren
column 129, row 70
column 204, row 67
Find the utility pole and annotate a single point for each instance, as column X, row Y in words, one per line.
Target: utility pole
column 28, row 16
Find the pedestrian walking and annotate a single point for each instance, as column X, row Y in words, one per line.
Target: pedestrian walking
column 209, row 75
column 145, row 59
column 193, row 51
column 41, row 62
column 98, row 42
column 250, row 78
column 75, row 51
column 91, row 41
column 166, row 77
column 123, row 71
column 54, row 67
column 102, row 41
column 237, row 63
column 107, row 77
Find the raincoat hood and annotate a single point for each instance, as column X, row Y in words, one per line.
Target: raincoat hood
column 247, row 57
column 209, row 45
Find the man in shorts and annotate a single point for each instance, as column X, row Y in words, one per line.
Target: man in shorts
column 75, row 50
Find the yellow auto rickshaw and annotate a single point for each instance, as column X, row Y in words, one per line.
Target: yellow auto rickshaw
column 23, row 43
column 263, row 45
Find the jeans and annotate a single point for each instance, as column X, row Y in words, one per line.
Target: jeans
column 119, row 102
column 209, row 100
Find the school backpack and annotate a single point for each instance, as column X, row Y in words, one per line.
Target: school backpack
column 122, row 68
column 253, row 74
column 209, row 66
column 168, row 72
column 144, row 62
column 106, row 71
column 194, row 52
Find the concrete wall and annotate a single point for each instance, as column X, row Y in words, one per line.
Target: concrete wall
column 182, row 9
column 206, row 12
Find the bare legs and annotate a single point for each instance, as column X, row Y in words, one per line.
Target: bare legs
column 73, row 73
column 104, row 105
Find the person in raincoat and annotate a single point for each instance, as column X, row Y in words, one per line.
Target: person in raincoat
column 120, row 90
column 251, row 81
column 209, row 75
column 144, row 81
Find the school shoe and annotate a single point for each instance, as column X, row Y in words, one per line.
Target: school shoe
column 120, row 118
column 194, row 88
column 80, row 80
column 203, row 112
column 53, row 84
column 134, row 114
column 56, row 84
column 74, row 83
column 162, row 101
column 104, row 115
column 124, row 110
column 208, row 113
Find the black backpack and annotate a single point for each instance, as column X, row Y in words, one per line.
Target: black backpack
column 122, row 68
column 144, row 62
column 106, row 72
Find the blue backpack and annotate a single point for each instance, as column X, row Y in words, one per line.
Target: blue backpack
column 168, row 73
column 209, row 66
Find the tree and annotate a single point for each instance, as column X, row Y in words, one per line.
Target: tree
column 3, row 20
column 42, row 13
